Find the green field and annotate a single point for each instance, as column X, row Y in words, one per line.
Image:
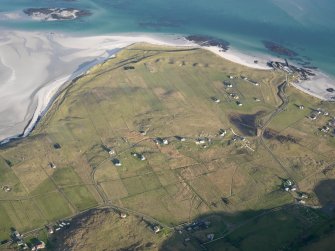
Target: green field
column 169, row 93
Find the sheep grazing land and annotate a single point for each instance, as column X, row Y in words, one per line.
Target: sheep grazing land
column 141, row 136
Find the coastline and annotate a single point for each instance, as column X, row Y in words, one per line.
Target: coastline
column 317, row 85
column 27, row 94
column 55, row 60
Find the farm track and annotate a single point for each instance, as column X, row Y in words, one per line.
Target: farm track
column 282, row 107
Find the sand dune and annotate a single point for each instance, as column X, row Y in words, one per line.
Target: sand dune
column 35, row 66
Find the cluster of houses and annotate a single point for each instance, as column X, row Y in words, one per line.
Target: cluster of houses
column 329, row 127
column 237, row 138
column 318, row 112
column 301, row 107
column 206, row 141
column 39, row 246
column 228, row 85
column 302, row 198
column 331, row 124
column 288, row 185
column 222, row 132
column 22, row 245
column 58, row 226
column 254, row 82
column 154, row 227
column 197, row 226
column 112, row 152
column 18, row 239
column 36, row 244
column 303, row 73
column 234, row 96
column 138, row 156
column 158, row 141
column 193, row 227
column 161, row 141
column 202, row 141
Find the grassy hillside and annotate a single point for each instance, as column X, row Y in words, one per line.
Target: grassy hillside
column 167, row 92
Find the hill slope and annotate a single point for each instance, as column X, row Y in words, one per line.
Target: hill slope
column 148, row 94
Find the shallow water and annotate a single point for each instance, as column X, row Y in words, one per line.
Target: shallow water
column 304, row 26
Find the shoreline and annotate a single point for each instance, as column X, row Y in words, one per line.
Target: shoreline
column 35, row 94
column 62, row 58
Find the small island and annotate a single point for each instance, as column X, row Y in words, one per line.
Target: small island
column 56, row 14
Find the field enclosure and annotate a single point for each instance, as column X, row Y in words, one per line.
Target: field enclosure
column 184, row 96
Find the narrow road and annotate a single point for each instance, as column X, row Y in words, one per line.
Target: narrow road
column 284, row 102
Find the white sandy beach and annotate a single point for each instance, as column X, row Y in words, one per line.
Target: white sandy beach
column 317, row 86
column 242, row 58
column 35, row 66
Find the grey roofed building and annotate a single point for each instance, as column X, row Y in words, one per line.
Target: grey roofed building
column 116, row 162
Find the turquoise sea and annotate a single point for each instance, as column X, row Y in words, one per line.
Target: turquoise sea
column 304, row 26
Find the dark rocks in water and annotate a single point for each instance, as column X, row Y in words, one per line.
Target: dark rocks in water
column 51, row 14
column 330, row 90
column 279, row 49
column 304, row 73
column 209, row 41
